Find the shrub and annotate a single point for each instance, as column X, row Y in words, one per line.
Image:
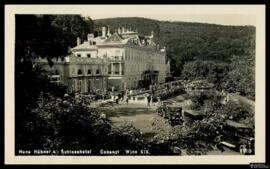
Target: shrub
column 70, row 124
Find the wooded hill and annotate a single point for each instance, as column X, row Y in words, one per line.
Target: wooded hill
column 186, row 42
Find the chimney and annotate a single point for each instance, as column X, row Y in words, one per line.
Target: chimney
column 103, row 31
column 78, row 41
column 119, row 30
column 152, row 33
column 90, row 37
column 108, row 33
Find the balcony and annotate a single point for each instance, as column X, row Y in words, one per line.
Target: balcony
column 116, row 59
column 116, row 73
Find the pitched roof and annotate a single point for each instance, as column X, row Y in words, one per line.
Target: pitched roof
column 85, row 46
column 114, row 38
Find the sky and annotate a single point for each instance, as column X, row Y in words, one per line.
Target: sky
column 224, row 15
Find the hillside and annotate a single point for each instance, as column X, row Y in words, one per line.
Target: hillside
column 227, row 52
column 187, row 41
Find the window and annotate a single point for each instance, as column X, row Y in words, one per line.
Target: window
column 89, row 86
column 55, row 77
column 79, row 55
column 56, row 72
column 97, row 71
column 105, row 54
column 117, row 52
column 79, row 72
column 80, row 86
column 110, row 69
column 73, row 88
column 89, row 55
column 89, row 71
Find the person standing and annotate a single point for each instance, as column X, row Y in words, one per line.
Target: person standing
column 117, row 99
column 243, row 149
column 159, row 101
column 127, row 99
column 148, row 100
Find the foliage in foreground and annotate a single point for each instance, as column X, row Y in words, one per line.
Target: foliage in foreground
column 200, row 136
column 70, row 124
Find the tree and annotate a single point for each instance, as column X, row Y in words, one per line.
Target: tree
column 73, row 26
column 234, row 111
column 69, row 123
column 38, row 36
column 242, row 74
column 45, row 36
column 212, row 71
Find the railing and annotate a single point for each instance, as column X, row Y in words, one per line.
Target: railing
column 116, row 72
column 55, row 79
column 115, row 60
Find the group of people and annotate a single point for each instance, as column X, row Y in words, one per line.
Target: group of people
column 120, row 97
column 125, row 98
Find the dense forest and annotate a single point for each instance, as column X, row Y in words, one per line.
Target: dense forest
column 187, row 44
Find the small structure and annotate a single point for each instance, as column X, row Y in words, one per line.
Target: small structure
column 192, row 115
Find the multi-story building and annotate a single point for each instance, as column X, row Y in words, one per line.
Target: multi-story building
column 118, row 61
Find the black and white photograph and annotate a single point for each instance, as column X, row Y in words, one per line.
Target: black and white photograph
column 151, row 81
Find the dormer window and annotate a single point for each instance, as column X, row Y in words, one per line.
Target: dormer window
column 79, row 55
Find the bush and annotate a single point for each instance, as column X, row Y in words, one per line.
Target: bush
column 199, row 100
column 70, row 124
column 234, row 111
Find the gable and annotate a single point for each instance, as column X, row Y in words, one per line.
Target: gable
column 114, row 38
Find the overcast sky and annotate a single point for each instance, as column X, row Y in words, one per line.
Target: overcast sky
column 222, row 14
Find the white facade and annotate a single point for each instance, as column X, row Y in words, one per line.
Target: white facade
column 128, row 57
